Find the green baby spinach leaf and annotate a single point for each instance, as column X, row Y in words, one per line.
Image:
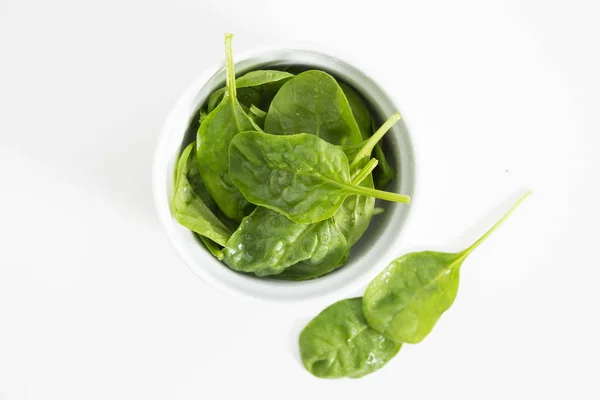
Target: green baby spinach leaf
column 384, row 173
column 192, row 206
column 266, row 243
column 406, row 300
column 214, row 135
column 313, row 102
column 347, row 224
column 300, row 176
column 255, row 87
column 339, row 343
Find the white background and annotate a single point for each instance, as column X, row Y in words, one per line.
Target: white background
column 94, row 303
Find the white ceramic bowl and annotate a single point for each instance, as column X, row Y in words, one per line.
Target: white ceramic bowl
column 368, row 256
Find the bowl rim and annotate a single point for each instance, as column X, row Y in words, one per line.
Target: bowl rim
column 164, row 212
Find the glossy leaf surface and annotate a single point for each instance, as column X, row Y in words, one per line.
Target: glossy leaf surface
column 313, row 102
column 192, row 205
column 406, row 300
column 266, row 243
column 300, row 176
column 339, row 343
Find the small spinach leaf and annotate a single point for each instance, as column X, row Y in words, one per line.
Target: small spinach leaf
column 339, row 343
column 300, row 176
column 192, row 206
column 255, row 87
column 406, row 300
column 266, row 243
column 214, row 135
column 313, row 102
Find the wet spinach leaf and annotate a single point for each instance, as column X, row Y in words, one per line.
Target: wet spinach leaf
column 266, row 243
column 192, row 206
column 255, row 87
column 300, row 176
column 406, row 300
column 313, row 102
column 214, row 135
column 339, row 343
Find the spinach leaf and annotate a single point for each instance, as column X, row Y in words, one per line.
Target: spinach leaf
column 192, row 206
column 339, row 343
column 255, row 87
column 384, row 173
column 214, row 135
column 266, row 243
column 300, row 176
column 313, row 102
column 213, row 247
column 406, row 300
column 346, row 225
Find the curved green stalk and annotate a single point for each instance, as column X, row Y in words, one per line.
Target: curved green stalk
column 463, row 254
column 366, row 150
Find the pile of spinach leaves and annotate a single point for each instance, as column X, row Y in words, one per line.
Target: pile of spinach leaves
column 355, row 337
column 280, row 181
